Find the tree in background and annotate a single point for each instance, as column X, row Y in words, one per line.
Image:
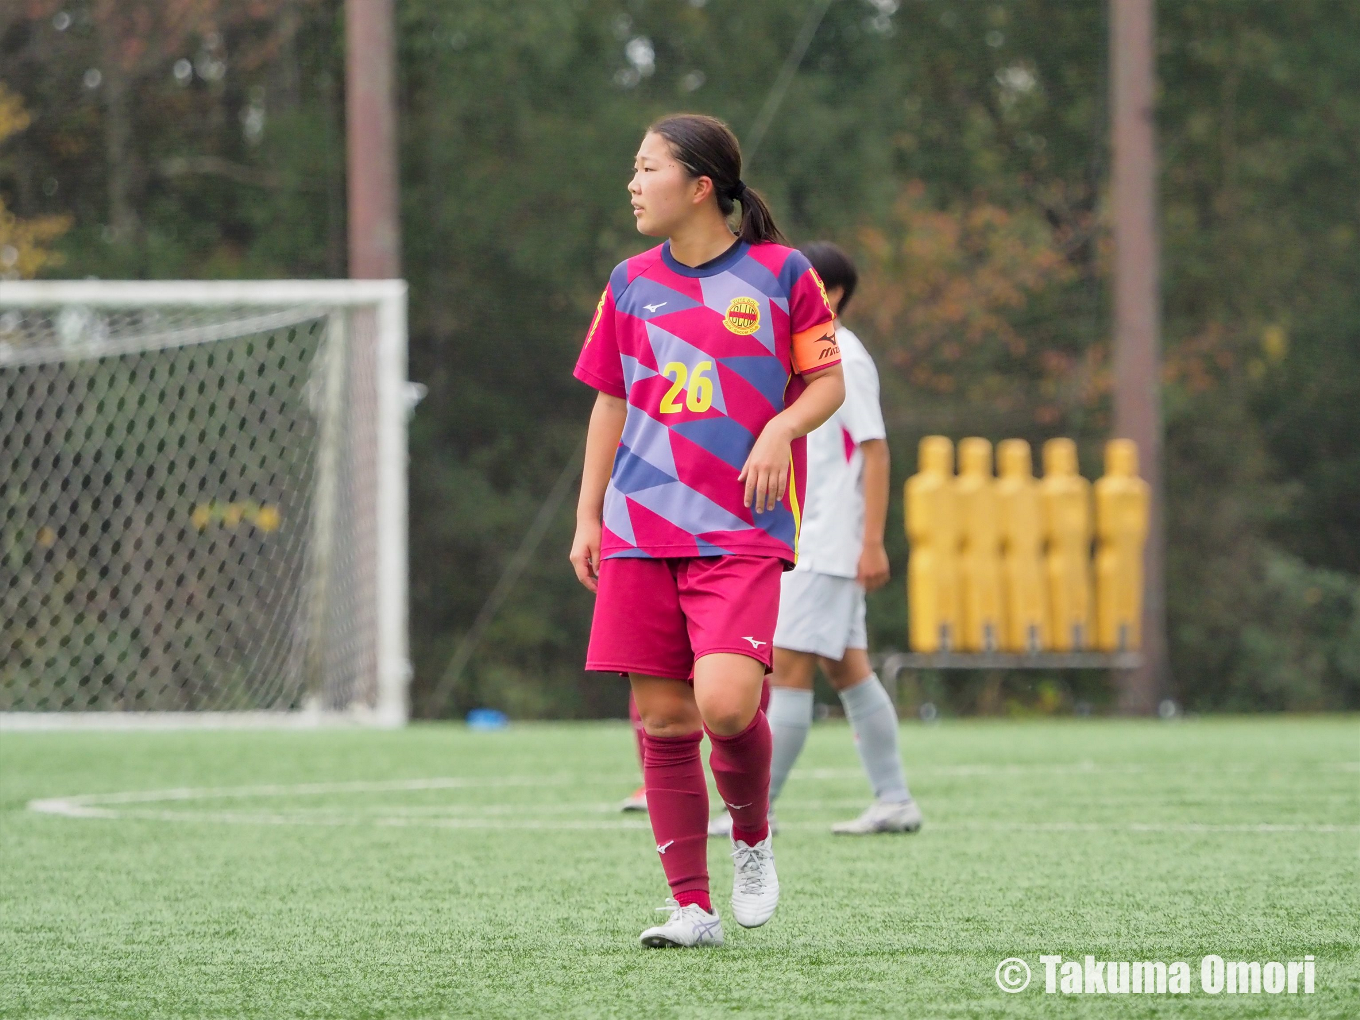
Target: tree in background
column 943, row 289
column 184, row 139
column 958, row 148
column 25, row 245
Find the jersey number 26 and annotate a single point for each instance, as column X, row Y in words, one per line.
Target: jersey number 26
column 699, row 397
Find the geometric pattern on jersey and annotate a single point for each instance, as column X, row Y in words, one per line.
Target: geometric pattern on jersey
column 705, row 357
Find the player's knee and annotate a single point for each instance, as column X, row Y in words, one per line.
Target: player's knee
column 837, row 672
column 728, row 719
column 793, row 669
column 848, row 671
column 670, row 721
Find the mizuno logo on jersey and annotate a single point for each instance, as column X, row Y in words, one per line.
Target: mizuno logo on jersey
column 653, row 308
column 754, row 642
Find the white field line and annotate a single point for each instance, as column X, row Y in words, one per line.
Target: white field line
column 518, row 823
column 1264, row 827
column 318, row 789
column 1092, row 768
column 569, row 779
column 63, row 805
column 286, row 818
column 111, row 806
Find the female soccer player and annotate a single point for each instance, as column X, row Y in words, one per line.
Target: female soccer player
column 713, row 355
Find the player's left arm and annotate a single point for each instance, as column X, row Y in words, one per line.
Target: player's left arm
column 815, row 355
column 873, row 571
column 766, row 471
column 862, row 417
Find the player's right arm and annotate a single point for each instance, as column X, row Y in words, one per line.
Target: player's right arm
column 598, row 366
column 602, row 442
column 873, row 570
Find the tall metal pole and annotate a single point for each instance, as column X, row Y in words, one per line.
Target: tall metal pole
column 371, row 134
column 1137, row 317
column 376, row 545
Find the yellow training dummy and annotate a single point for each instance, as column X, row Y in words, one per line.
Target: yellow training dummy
column 979, row 549
column 1121, row 529
column 932, row 589
column 1067, row 532
column 1022, row 548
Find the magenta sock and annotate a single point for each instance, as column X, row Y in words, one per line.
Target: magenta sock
column 677, row 804
column 695, row 896
column 741, row 770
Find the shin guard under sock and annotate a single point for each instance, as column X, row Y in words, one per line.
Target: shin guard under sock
column 874, row 722
column 741, row 770
column 790, row 718
column 677, row 804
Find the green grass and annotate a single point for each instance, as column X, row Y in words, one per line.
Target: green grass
column 1128, row 840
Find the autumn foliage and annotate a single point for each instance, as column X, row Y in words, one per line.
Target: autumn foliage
column 946, row 288
column 24, row 250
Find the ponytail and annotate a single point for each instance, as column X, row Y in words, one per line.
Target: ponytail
column 757, row 222
column 706, row 147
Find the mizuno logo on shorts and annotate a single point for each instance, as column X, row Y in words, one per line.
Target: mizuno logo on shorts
column 754, row 642
column 661, row 847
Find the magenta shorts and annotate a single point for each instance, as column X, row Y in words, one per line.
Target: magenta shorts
column 656, row 616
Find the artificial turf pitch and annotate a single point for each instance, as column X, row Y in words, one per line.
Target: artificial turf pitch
column 340, row 883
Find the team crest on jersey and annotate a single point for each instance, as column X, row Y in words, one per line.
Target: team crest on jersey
column 743, row 316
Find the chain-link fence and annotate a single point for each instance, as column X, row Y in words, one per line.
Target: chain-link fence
column 189, row 517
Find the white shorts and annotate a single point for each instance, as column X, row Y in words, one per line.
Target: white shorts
column 821, row 614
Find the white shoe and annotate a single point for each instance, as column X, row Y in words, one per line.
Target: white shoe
column 720, row 825
column 882, row 816
column 687, row 926
column 755, row 886
column 635, row 801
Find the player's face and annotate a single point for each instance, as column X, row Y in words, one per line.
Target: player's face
column 663, row 193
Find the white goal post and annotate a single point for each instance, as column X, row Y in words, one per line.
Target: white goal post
column 203, row 503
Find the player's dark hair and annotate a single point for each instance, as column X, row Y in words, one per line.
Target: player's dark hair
column 835, row 268
column 706, row 147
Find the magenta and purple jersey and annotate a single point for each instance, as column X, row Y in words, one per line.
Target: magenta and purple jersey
column 705, row 356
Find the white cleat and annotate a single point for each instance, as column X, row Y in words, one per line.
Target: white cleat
column 882, row 816
column 635, row 801
column 755, row 886
column 688, row 926
column 720, row 826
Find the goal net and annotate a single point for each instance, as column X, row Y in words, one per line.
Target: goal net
column 202, row 502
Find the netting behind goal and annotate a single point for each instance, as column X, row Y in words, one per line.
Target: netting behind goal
column 202, row 498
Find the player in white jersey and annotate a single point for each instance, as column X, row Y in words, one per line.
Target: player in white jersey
column 840, row 556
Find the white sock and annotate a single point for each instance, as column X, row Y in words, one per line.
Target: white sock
column 874, row 722
column 790, row 717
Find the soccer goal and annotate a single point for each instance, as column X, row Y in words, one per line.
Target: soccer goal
column 203, row 502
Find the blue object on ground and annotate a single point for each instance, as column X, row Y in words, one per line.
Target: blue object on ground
column 487, row 719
